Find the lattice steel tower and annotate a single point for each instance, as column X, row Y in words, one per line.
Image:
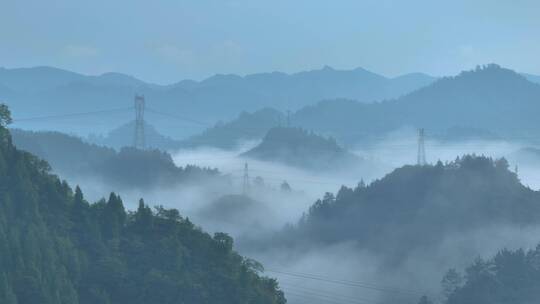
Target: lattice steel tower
column 245, row 184
column 139, row 136
column 421, row 148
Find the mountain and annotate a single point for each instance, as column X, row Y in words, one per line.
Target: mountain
column 299, row 148
column 37, row 78
column 473, row 99
column 59, row 249
column 463, row 198
column 532, row 78
column 247, row 126
column 45, row 91
column 125, row 169
column 467, row 134
column 122, row 136
column 5, row 91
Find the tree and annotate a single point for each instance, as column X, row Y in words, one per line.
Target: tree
column 285, row 187
column 78, row 197
column 224, row 240
column 5, row 115
column 451, row 281
column 97, row 256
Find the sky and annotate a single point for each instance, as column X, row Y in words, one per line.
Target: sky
column 164, row 41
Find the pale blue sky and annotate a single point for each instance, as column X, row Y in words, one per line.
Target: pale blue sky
column 165, row 41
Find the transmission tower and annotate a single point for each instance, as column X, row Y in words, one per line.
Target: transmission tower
column 245, row 185
column 288, row 118
column 139, row 136
column 421, row 148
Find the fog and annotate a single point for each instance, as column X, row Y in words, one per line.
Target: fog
column 344, row 272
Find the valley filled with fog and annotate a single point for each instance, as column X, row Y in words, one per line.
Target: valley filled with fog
column 339, row 201
column 344, row 270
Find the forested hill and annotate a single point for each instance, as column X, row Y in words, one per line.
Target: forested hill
column 247, row 126
column 72, row 157
column 511, row 276
column 436, row 202
column 473, row 99
column 300, row 148
column 56, row 248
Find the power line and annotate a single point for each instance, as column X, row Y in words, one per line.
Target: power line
column 139, row 137
column 69, row 115
column 355, row 299
column 358, row 284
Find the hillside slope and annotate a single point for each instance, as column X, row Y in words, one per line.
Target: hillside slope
column 128, row 168
column 247, row 126
column 59, row 249
column 416, row 208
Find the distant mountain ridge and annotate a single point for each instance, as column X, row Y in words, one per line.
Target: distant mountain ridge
column 247, row 126
column 43, row 91
column 492, row 98
column 488, row 103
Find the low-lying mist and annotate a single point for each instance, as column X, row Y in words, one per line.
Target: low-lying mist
column 344, row 272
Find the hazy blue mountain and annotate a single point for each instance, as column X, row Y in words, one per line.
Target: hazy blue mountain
column 46, row 91
column 37, row 78
column 466, row 134
column 300, row 148
column 491, row 98
column 247, row 126
column 123, row 136
column 5, row 91
column 532, row 78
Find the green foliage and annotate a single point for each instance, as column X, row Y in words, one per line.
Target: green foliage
column 56, row 248
column 387, row 216
column 126, row 168
column 509, row 277
column 5, row 115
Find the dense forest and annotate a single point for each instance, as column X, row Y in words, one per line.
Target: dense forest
column 57, row 248
column 435, row 201
column 510, row 277
column 300, row 148
column 129, row 167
